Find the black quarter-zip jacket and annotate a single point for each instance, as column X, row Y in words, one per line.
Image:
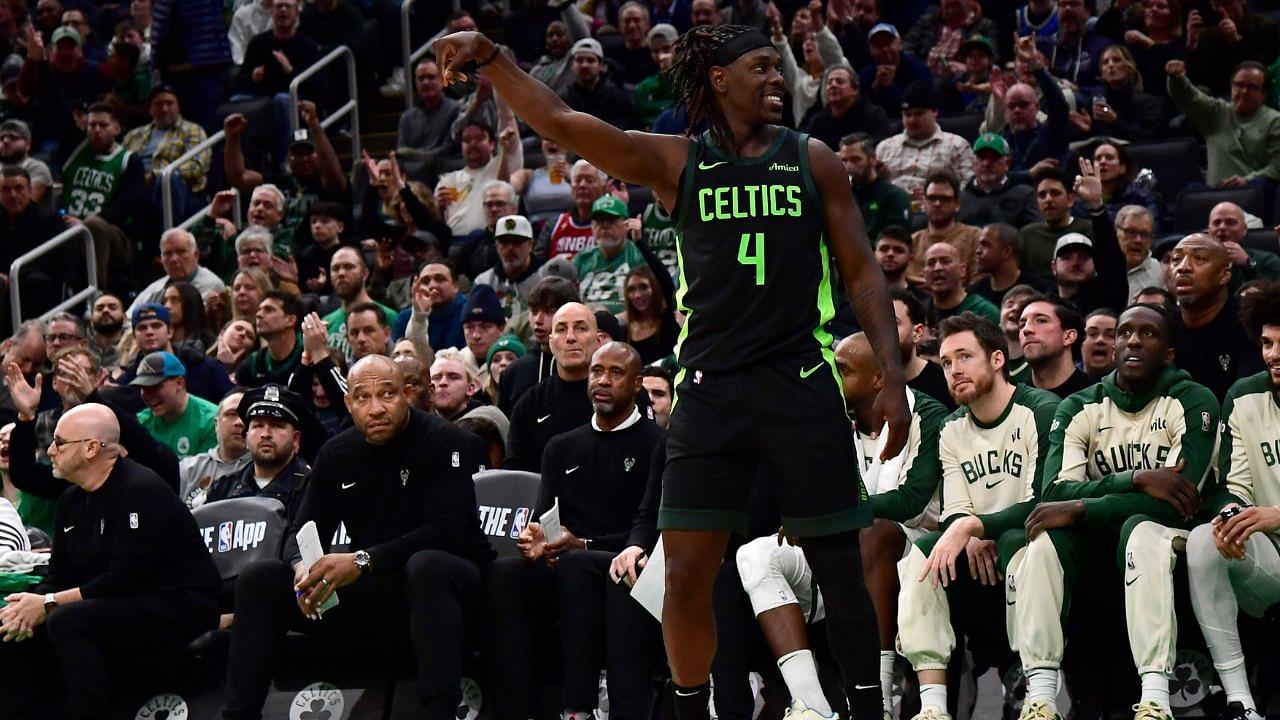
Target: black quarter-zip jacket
column 413, row 493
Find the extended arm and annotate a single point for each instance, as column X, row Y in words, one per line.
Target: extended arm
column 636, row 157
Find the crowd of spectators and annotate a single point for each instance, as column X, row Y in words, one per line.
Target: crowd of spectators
column 481, row 297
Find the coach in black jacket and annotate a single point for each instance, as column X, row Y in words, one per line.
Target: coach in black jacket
column 400, row 481
column 597, row 474
column 129, row 577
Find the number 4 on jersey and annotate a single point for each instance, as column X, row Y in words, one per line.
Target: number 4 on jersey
column 753, row 255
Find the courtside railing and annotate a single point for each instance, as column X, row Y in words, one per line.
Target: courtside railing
column 409, row 55
column 65, row 237
column 350, row 108
column 165, row 178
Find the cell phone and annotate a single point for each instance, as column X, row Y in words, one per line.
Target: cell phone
column 1211, row 17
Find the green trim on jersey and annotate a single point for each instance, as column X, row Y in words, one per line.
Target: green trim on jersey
column 1191, row 421
column 1247, row 466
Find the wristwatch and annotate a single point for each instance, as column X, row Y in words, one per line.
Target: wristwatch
column 49, row 603
column 363, row 561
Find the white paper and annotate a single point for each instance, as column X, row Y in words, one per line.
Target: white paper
column 551, row 523
column 650, row 589
column 311, row 549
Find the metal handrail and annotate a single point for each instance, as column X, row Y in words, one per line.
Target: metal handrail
column 351, row 107
column 165, row 176
column 408, row 55
column 236, row 218
column 48, row 246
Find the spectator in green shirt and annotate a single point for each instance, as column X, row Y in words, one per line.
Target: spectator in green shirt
column 1243, row 135
column 602, row 270
column 882, row 203
column 653, row 94
column 183, row 422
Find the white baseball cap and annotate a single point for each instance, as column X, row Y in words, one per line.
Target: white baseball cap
column 513, row 225
column 1071, row 239
column 590, row 45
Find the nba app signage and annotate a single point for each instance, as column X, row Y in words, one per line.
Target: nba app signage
column 503, row 522
column 234, row 535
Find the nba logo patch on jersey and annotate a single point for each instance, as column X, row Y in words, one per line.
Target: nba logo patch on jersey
column 224, row 536
column 1128, row 561
column 518, row 522
column 1204, row 421
column 697, row 377
column 628, row 464
column 133, row 521
column 404, row 476
column 1224, row 361
column 457, row 459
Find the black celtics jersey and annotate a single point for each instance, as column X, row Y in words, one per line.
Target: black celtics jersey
column 754, row 265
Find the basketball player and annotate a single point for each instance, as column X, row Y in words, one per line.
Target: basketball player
column 761, row 211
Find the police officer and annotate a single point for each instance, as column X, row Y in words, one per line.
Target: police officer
column 273, row 425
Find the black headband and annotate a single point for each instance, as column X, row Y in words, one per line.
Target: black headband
column 738, row 45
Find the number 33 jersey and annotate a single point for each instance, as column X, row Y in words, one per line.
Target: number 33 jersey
column 755, row 273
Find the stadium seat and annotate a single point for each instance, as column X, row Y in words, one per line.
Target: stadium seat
column 966, row 125
column 1192, row 208
column 506, row 499
column 1264, row 239
column 1175, row 164
column 241, row 531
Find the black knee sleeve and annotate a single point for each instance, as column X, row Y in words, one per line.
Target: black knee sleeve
column 836, row 561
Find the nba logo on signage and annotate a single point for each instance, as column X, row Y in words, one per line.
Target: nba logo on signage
column 224, row 536
column 518, row 522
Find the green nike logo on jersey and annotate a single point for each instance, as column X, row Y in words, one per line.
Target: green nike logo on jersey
column 804, row 373
column 704, row 166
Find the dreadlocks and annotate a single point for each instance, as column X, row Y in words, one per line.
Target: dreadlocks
column 690, row 78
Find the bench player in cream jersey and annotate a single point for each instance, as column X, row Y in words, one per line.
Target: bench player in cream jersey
column 1235, row 563
column 1127, row 458
column 904, row 501
column 992, row 452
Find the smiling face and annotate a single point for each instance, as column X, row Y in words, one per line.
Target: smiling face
column 640, row 294
column 1270, row 357
column 1142, row 348
column 1248, row 91
column 752, row 87
column 265, row 208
